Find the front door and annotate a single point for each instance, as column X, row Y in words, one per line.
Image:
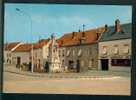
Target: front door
column 47, row 67
column 104, row 64
column 18, row 60
column 78, row 66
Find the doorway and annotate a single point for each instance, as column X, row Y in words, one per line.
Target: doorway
column 104, row 64
column 78, row 66
column 18, row 60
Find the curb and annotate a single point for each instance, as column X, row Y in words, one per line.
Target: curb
column 68, row 77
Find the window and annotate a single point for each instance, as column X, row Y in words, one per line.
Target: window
column 126, row 49
column 88, row 51
column 73, row 52
column 116, row 49
column 80, row 52
column 104, row 50
column 63, row 53
column 63, row 62
column 121, row 62
column 68, row 53
column 71, row 64
column 36, row 55
column 82, row 63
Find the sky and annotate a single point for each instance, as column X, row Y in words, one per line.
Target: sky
column 37, row 21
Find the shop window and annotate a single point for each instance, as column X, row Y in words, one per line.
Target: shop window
column 120, row 62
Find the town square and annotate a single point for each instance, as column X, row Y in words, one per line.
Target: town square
column 93, row 59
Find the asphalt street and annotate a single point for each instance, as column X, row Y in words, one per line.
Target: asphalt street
column 107, row 85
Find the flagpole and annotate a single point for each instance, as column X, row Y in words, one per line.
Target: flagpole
column 32, row 60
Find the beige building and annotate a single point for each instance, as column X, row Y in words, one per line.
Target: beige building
column 115, row 47
column 21, row 55
column 79, row 50
column 40, row 54
column 8, row 49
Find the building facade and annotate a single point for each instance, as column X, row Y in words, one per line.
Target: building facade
column 8, row 49
column 40, row 54
column 115, row 48
column 21, row 55
column 79, row 50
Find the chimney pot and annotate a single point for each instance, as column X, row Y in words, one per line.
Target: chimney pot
column 79, row 30
column 106, row 27
column 83, row 34
column 117, row 26
column 73, row 34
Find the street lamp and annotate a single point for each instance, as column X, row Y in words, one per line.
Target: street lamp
column 23, row 12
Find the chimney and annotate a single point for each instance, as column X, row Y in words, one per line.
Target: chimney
column 73, row 34
column 97, row 36
column 106, row 28
column 117, row 26
column 79, row 30
column 83, row 34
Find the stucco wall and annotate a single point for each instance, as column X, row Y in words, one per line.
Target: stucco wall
column 88, row 58
column 25, row 57
column 7, row 57
column 110, row 52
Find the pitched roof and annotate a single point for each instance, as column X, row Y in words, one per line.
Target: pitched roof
column 110, row 34
column 41, row 43
column 89, row 36
column 23, row 48
column 10, row 46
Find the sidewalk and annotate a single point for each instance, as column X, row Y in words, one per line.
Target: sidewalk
column 89, row 74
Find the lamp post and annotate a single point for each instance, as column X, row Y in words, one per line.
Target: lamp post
column 23, row 12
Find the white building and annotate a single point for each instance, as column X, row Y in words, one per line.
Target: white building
column 40, row 54
column 21, row 55
column 8, row 49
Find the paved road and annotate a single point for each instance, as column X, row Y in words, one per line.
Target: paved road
column 19, row 83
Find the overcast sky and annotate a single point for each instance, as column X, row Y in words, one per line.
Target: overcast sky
column 59, row 19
